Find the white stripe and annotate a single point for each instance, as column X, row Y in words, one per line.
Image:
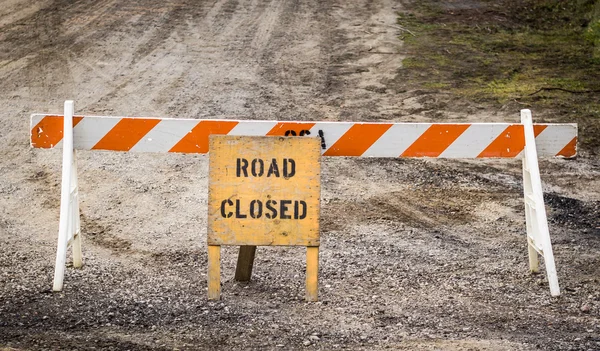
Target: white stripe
column 554, row 138
column 165, row 135
column 473, row 140
column 89, row 131
column 35, row 119
column 253, row 128
column 332, row 132
column 396, row 140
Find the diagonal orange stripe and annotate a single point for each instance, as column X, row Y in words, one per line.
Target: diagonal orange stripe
column 196, row 141
column 49, row 131
column 510, row 142
column 125, row 134
column 293, row 128
column 435, row 140
column 537, row 129
column 570, row 150
column 358, row 139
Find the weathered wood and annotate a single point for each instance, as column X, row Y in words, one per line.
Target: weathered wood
column 77, row 256
column 534, row 263
column 243, row 271
column 360, row 139
column 264, row 191
column 214, row 272
column 312, row 273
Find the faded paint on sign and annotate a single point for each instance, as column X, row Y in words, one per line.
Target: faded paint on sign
column 264, row 190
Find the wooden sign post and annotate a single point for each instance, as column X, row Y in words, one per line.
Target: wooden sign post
column 263, row 191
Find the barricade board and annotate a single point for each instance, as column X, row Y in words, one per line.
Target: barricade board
column 442, row 140
column 264, row 191
column 525, row 140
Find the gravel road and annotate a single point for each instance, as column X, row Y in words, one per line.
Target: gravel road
column 415, row 254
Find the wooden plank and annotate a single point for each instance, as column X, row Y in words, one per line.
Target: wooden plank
column 444, row 140
column 312, row 273
column 534, row 263
column 243, row 271
column 264, row 191
column 77, row 256
column 214, row 272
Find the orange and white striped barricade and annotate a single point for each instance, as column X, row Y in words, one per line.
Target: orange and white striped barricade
column 417, row 140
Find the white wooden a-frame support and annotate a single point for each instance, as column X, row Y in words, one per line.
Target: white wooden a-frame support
column 69, row 231
column 538, row 236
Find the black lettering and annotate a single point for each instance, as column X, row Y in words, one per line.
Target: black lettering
column 295, row 209
column 283, row 209
column 304, row 132
column 228, row 214
column 273, row 214
column 253, row 212
column 300, row 215
column 322, row 136
column 290, row 132
column 261, row 169
column 273, row 169
column 237, row 210
column 288, row 173
column 242, row 166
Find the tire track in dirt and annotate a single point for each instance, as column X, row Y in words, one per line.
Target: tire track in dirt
column 14, row 10
column 50, row 29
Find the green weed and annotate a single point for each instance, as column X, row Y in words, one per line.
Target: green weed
column 501, row 52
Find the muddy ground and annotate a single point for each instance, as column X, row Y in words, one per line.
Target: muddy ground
column 415, row 255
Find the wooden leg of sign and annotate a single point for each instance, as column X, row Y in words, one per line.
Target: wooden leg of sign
column 77, row 257
column 214, row 272
column 76, row 221
column 534, row 265
column 243, row 271
column 534, row 262
column 312, row 273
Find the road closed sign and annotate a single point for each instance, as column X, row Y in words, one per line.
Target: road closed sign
column 264, row 191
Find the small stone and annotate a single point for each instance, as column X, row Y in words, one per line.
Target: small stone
column 306, row 343
column 586, row 308
column 313, row 338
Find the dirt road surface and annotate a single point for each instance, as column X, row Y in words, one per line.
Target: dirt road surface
column 415, row 255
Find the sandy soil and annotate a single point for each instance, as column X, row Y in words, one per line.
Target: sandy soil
column 416, row 254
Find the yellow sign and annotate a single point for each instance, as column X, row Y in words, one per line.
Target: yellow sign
column 264, row 191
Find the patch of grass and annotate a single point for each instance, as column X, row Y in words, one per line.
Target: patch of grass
column 502, row 52
column 435, row 85
column 592, row 33
column 411, row 62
